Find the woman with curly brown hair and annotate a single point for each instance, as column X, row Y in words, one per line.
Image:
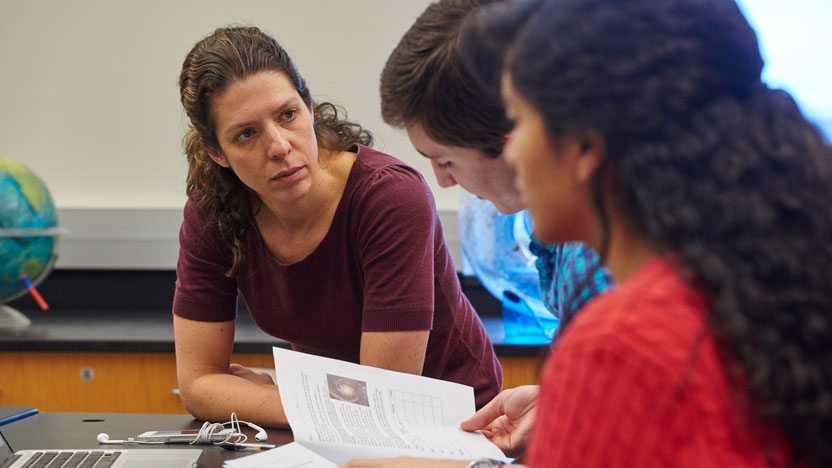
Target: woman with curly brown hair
column 332, row 246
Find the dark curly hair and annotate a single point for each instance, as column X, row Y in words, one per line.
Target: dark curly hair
column 224, row 57
column 715, row 167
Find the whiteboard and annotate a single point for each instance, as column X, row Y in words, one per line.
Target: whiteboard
column 89, row 97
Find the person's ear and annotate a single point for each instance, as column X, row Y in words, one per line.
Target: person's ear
column 591, row 155
column 218, row 158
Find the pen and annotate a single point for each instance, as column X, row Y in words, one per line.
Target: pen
column 241, row 447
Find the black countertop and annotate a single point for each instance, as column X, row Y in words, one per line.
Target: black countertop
column 116, row 331
column 152, row 331
column 129, row 311
column 62, row 431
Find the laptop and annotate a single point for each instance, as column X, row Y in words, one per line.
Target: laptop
column 99, row 458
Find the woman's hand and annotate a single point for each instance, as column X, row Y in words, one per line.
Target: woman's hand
column 507, row 420
column 240, row 370
column 210, row 388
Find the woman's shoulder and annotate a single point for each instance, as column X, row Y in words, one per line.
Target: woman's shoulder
column 374, row 171
column 200, row 234
column 381, row 186
column 199, row 219
column 193, row 216
column 374, row 159
column 655, row 309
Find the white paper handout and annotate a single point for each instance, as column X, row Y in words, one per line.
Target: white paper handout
column 341, row 411
column 291, row 455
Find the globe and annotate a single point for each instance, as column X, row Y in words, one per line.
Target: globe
column 495, row 249
column 28, row 230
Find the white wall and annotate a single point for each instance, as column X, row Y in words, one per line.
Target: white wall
column 89, row 97
column 147, row 239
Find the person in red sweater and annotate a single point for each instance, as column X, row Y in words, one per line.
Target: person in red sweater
column 643, row 129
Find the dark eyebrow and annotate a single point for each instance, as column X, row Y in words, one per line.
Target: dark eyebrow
column 291, row 101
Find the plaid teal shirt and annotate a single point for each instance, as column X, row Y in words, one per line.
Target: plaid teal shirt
column 563, row 268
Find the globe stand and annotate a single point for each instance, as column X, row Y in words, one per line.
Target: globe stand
column 12, row 319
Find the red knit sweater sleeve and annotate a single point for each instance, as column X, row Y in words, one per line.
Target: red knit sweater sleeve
column 636, row 381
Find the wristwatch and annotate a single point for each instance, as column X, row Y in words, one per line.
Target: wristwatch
column 485, row 463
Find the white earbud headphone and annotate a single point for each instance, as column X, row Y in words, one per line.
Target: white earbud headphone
column 261, row 435
column 206, row 430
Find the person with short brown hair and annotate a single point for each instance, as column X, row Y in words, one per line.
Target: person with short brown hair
column 458, row 122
